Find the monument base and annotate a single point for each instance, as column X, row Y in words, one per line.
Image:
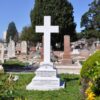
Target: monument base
column 45, row 79
column 66, row 61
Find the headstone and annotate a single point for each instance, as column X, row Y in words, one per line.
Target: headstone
column 67, row 50
column 97, row 45
column 75, row 52
column 46, row 78
column 24, row 47
column 11, row 49
column 93, row 48
column 4, row 36
column 1, row 69
column 18, row 48
column 1, row 53
column 42, row 50
column 37, row 46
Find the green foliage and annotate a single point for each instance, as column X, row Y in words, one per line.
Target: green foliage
column 71, row 92
column 90, row 20
column 96, row 79
column 90, row 72
column 61, row 12
column 27, row 34
column 12, row 32
column 89, row 66
column 6, row 88
column 80, row 35
column 96, row 85
column 89, row 33
column 10, row 90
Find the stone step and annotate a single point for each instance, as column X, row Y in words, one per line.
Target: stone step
column 68, row 69
column 44, row 83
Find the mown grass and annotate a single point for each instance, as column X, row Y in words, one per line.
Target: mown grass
column 70, row 92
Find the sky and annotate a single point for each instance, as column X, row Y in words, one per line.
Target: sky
column 18, row 11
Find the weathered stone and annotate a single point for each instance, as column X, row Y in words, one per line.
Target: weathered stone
column 1, row 69
column 11, row 49
column 24, row 47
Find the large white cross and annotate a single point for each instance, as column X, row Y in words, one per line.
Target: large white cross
column 47, row 29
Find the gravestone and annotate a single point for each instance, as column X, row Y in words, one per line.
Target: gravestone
column 42, row 50
column 18, row 48
column 97, row 45
column 24, row 47
column 11, row 49
column 67, row 50
column 1, row 52
column 46, row 78
column 4, row 36
column 1, row 69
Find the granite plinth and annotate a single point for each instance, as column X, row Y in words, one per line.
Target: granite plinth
column 45, row 79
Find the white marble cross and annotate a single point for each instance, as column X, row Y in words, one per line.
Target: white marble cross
column 47, row 29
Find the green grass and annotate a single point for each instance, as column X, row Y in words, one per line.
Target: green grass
column 71, row 92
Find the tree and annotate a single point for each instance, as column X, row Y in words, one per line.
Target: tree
column 26, row 33
column 91, row 20
column 12, row 32
column 61, row 12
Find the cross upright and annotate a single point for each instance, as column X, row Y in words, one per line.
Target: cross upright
column 47, row 29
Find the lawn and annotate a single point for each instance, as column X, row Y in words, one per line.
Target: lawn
column 70, row 92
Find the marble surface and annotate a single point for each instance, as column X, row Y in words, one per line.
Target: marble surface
column 45, row 79
column 47, row 29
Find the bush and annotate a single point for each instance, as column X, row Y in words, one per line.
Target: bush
column 7, row 88
column 89, row 65
column 90, row 72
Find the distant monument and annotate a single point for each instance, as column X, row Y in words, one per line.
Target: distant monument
column 67, row 50
column 24, row 47
column 1, row 53
column 11, row 49
column 46, row 78
column 4, row 36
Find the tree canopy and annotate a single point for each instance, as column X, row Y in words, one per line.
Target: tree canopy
column 26, row 33
column 61, row 12
column 12, row 32
column 91, row 20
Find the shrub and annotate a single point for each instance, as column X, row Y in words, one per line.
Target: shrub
column 91, row 72
column 89, row 66
column 7, row 88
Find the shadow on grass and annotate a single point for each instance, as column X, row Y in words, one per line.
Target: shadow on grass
column 70, row 79
column 19, row 68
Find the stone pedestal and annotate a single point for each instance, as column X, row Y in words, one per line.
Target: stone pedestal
column 45, row 79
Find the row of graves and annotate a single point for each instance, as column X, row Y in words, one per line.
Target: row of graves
column 10, row 50
column 67, row 61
